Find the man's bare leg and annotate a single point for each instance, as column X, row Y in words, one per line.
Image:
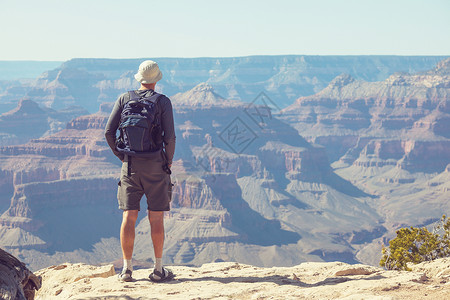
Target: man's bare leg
column 127, row 233
column 129, row 218
column 156, row 219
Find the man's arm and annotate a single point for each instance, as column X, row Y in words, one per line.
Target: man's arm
column 111, row 128
column 168, row 128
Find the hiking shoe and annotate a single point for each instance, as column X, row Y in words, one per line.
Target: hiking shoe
column 157, row 276
column 125, row 275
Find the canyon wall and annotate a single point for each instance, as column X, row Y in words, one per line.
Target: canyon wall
column 332, row 176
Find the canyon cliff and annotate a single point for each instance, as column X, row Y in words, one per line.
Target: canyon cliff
column 387, row 138
column 230, row 201
column 90, row 82
column 232, row 280
column 330, row 177
column 28, row 120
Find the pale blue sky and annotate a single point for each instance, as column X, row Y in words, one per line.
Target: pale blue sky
column 65, row 29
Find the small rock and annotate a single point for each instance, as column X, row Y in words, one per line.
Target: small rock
column 60, row 267
column 422, row 279
column 354, row 271
column 395, row 287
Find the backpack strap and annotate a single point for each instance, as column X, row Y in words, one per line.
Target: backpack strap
column 159, row 107
column 133, row 95
column 163, row 152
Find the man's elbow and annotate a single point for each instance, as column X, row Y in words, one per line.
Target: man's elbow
column 108, row 134
column 169, row 140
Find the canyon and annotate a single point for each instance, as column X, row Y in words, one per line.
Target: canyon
column 90, row 82
column 329, row 177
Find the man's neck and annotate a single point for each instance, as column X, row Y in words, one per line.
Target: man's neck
column 150, row 86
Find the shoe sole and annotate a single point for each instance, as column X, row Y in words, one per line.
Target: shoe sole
column 169, row 276
column 126, row 279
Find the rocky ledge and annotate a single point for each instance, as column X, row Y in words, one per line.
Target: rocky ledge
column 227, row 280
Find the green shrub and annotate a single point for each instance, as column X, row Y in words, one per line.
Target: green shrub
column 415, row 245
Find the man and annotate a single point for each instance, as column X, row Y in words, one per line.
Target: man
column 146, row 174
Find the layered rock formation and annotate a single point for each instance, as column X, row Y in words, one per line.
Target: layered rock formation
column 401, row 117
column 28, row 120
column 202, row 95
column 387, row 137
column 329, row 178
column 51, row 182
column 89, row 82
column 235, row 196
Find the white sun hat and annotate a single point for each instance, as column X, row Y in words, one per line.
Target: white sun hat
column 148, row 72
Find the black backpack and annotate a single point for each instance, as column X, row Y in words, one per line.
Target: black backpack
column 140, row 132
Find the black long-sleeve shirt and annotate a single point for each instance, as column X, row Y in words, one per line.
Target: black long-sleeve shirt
column 167, row 123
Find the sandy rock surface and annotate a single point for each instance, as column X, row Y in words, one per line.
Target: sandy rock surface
column 229, row 280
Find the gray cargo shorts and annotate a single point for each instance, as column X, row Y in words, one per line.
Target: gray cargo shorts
column 146, row 177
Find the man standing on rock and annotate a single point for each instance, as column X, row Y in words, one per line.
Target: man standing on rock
column 145, row 145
